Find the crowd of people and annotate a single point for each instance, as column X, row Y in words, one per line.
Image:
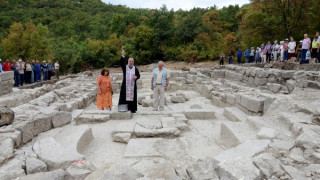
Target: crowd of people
column 306, row 51
column 30, row 71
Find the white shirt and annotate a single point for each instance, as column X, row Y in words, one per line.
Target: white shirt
column 56, row 65
column 159, row 76
column 292, row 45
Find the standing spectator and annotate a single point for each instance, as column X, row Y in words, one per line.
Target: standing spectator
column 292, row 48
column 263, row 53
column 49, row 70
column 38, row 71
column 230, row 57
column 21, row 71
column 275, row 49
column 34, row 72
column 251, row 58
column 6, row 65
column 222, row 57
column 15, row 69
column 257, row 57
column 44, row 67
column 268, row 51
column 285, row 50
column 298, row 51
column 318, row 34
column 305, row 46
column 56, row 67
column 281, row 51
column 28, row 72
column 315, row 46
column 239, row 55
column 247, row 55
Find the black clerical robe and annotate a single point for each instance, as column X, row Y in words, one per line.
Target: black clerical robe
column 132, row 105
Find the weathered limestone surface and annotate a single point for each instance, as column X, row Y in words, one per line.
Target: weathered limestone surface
column 226, row 122
column 6, row 82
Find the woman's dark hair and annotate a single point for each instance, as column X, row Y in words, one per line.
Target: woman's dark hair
column 104, row 70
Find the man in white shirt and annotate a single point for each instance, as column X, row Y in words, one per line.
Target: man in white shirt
column 159, row 84
column 56, row 68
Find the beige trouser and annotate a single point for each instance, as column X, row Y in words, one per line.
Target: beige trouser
column 158, row 97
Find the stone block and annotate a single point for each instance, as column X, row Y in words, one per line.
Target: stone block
column 6, row 149
column 266, row 133
column 34, row 165
column 42, row 123
column 15, row 136
column 6, row 116
column 238, row 168
column 268, row 165
column 261, row 73
column 26, row 128
column 202, row 169
column 121, row 137
column 61, row 118
column 233, row 76
column 287, row 74
column 177, row 99
column 6, row 76
column 234, row 114
column 12, row 170
column 200, row 114
column 252, row 103
column 120, row 115
column 249, row 149
column 273, row 87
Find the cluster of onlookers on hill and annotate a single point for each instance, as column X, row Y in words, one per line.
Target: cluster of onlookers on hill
column 30, row 71
column 306, row 51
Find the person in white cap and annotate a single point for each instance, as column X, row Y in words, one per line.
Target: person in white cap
column 21, row 68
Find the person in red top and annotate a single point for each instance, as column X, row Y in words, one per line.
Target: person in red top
column 7, row 66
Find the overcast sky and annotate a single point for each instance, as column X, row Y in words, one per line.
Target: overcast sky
column 175, row 4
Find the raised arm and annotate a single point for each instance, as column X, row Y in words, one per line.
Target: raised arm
column 122, row 60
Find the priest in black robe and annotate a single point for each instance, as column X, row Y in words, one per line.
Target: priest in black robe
column 128, row 92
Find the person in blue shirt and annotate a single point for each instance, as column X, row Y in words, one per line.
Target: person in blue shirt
column 239, row 55
column 38, row 71
column 230, row 57
column 247, row 55
column 49, row 70
column 16, row 76
column 44, row 67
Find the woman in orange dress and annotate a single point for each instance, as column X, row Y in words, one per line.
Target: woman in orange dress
column 104, row 95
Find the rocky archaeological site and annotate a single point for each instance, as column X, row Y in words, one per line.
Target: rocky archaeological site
column 247, row 122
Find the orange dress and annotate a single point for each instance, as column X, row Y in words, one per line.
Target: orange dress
column 104, row 100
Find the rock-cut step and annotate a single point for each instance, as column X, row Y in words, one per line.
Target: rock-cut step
column 235, row 133
column 234, row 114
column 98, row 116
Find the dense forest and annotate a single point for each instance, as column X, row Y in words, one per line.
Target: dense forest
column 90, row 33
